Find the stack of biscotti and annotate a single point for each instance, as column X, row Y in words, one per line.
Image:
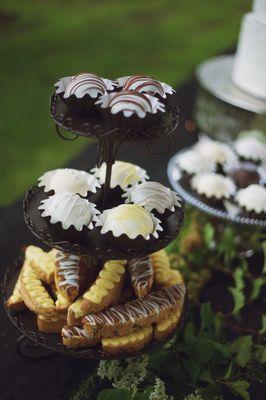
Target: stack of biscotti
column 121, row 306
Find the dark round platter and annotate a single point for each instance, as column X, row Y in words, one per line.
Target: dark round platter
column 92, row 244
column 25, row 322
column 184, row 190
column 96, row 126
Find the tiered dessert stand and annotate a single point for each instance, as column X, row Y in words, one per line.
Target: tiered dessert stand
column 69, row 126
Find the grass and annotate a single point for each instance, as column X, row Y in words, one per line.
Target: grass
column 44, row 40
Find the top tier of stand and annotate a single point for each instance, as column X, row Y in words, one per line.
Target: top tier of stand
column 96, row 126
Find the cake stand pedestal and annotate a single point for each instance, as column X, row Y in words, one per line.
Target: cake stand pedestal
column 222, row 110
column 92, row 246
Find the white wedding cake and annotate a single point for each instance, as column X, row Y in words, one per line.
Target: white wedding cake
column 249, row 71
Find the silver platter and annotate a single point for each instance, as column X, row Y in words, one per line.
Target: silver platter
column 214, row 75
column 188, row 197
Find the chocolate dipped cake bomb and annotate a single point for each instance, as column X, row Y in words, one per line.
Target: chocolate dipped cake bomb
column 84, row 84
column 145, row 84
column 130, row 103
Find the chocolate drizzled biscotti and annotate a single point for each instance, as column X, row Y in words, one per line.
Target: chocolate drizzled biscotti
column 120, row 319
column 141, row 275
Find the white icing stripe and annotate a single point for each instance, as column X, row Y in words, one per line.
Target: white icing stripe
column 141, row 273
column 75, row 331
column 68, row 270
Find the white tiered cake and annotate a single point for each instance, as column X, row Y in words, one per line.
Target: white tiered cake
column 249, row 72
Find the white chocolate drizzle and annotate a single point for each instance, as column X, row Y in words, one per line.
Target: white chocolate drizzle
column 73, row 331
column 68, row 270
column 141, row 274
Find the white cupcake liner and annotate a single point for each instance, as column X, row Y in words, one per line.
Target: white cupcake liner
column 120, row 174
column 156, row 223
column 167, row 89
column 62, row 83
column 69, row 209
column 155, row 104
column 77, row 181
column 149, row 201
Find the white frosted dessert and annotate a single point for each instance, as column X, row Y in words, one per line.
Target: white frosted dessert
column 131, row 220
column 69, row 209
column 215, row 151
column 123, row 175
column 82, row 84
column 250, row 60
column 252, row 198
column 251, row 148
column 213, row 185
column 145, row 84
column 129, row 102
column 153, row 196
column 193, row 162
column 69, row 180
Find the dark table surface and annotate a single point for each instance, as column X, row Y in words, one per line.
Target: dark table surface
column 55, row 377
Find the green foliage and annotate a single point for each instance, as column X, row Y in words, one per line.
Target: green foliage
column 240, row 387
column 242, row 348
column 118, row 394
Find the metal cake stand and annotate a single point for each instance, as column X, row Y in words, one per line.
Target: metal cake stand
column 190, row 197
column 93, row 246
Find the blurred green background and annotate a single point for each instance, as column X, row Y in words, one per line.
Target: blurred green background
column 42, row 40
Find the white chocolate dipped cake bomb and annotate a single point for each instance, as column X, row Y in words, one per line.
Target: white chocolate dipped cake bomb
column 69, row 209
column 252, row 200
column 153, row 196
column 69, row 180
column 124, row 174
column 131, row 220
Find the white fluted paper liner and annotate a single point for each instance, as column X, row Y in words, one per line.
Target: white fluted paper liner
column 69, row 209
column 153, row 196
column 214, row 151
column 84, row 83
column 69, row 180
column 144, row 84
column 193, row 162
column 214, row 185
column 124, row 174
column 131, row 220
column 130, row 103
column 252, row 198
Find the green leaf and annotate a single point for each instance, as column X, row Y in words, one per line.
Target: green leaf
column 193, row 369
column 263, row 328
column 242, row 348
column 229, row 371
column 239, row 299
column 208, row 234
column 256, row 286
column 190, row 332
column 240, row 387
column 261, row 353
column 222, row 348
column 114, row 394
column 207, row 316
column 239, row 277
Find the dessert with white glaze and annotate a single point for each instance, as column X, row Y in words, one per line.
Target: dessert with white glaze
column 250, row 146
column 193, row 162
column 123, row 175
column 213, row 186
column 216, row 152
column 69, row 180
column 252, row 199
column 153, row 196
column 131, row 220
column 69, row 209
